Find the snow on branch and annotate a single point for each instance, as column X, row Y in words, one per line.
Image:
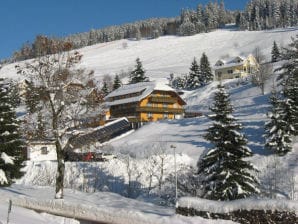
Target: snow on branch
column 7, row 159
column 3, row 179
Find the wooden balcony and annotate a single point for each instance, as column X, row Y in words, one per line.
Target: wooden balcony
column 160, row 110
column 162, row 99
column 123, row 112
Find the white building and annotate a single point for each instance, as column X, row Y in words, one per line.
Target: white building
column 40, row 150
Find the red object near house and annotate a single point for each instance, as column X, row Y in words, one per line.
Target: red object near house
column 88, row 157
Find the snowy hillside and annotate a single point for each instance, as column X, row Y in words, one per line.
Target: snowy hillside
column 154, row 139
column 140, row 154
column 146, row 143
column 172, row 54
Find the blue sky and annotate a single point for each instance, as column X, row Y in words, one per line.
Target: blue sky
column 22, row 20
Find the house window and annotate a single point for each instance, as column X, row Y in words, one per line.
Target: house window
column 44, row 150
column 165, row 116
column 149, row 115
column 149, row 104
column 165, row 105
column 230, row 71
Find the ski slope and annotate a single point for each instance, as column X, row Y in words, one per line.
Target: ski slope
column 173, row 54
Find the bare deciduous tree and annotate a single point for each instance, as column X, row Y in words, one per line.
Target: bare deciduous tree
column 259, row 56
column 160, row 154
column 262, row 75
column 53, row 74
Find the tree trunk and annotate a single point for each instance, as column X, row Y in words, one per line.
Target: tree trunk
column 60, row 171
column 150, row 184
column 263, row 88
column 60, row 160
column 161, row 173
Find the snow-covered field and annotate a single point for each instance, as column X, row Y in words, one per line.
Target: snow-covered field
column 172, row 54
column 160, row 57
column 100, row 206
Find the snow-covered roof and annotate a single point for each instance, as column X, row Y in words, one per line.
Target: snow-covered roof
column 143, row 88
column 230, row 62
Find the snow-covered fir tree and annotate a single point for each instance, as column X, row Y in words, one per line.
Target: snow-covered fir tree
column 187, row 28
column 206, row 73
column 11, row 144
column 179, row 82
column 105, row 89
column 194, row 77
column 41, row 126
column 278, row 139
column 268, row 14
column 289, row 74
column 117, row 82
column 226, row 175
column 275, row 54
column 138, row 74
column 31, row 98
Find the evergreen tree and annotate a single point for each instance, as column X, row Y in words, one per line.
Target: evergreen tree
column 11, row 145
column 187, row 28
column 290, row 106
column 222, row 14
column 193, row 81
column 179, row 82
column 206, row 73
column 31, row 98
column 275, row 54
column 227, row 176
column 41, row 127
column 278, row 138
column 289, row 75
column 117, row 82
column 105, row 88
column 138, row 74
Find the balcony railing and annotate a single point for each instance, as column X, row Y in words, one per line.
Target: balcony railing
column 160, row 110
column 123, row 111
column 162, row 99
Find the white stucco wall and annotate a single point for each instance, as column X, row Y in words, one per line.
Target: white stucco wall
column 34, row 152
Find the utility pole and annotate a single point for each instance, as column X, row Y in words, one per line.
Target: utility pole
column 176, row 180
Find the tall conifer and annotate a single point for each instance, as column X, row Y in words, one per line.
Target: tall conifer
column 138, row 74
column 117, row 82
column 206, row 72
column 278, row 138
column 275, row 54
column 227, row 176
column 11, row 145
column 193, row 81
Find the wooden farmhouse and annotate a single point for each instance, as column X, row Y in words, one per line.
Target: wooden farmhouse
column 237, row 67
column 146, row 101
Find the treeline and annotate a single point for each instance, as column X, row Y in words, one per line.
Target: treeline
column 258, row 15
column 268, row 14
column 190, row 22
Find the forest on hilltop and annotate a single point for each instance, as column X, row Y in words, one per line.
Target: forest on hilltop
column 257, row 15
